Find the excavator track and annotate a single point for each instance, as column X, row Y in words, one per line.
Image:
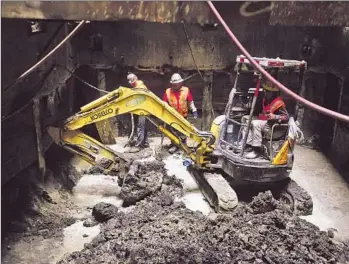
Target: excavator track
column 297, row 198
column 216, row 190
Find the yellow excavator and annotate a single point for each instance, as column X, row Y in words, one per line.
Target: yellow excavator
column 215, row 160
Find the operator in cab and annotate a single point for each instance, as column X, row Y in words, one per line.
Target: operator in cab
column 179, row 97
column 274, row 111
column 142, row 135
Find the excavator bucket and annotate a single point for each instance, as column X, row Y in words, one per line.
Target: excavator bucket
column 87, row 148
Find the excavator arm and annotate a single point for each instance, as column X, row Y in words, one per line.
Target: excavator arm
column 121, row 101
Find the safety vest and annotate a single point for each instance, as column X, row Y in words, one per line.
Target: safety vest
column 180, row 105
column 271, row 107
column 140, row 84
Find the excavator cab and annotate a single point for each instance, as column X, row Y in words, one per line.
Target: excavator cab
column 276, row 161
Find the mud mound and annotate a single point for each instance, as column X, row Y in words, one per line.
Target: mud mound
column 130, row 157
column 142, row 180
column 159, row 230
column 103, row 211
column 262, row 203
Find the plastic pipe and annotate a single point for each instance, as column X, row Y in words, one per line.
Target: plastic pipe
column 295, row 96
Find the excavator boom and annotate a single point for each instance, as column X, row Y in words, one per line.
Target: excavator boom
column 121, row 101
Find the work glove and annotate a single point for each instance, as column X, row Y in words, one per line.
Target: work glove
column 195, row 114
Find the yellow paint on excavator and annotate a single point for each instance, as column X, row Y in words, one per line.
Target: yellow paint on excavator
column 282, row 157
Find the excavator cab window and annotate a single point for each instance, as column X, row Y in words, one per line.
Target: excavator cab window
column 240, row 104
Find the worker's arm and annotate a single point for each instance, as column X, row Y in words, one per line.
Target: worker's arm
column 192, row 105
column 280, row 115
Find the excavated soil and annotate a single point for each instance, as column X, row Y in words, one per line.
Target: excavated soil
column 159, row 229
column 49, row 208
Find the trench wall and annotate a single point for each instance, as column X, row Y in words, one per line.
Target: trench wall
column 50, row 84
column 154, row 51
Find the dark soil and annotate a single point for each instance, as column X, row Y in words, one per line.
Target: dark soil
column 142, row 180
column 160, row 230
column 130, row 157
column 103, row 211
column 45, row 213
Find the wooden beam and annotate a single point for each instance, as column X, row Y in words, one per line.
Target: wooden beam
column 39, row 141
column 104, row 127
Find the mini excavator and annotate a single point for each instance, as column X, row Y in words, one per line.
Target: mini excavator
column 215, row 160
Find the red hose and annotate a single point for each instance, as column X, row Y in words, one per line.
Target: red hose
column 298, row 98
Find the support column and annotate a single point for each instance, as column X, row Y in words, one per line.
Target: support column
column 207, row 107
column 39, row 143
column 104, row 127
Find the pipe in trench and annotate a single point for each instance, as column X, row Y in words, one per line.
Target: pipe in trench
column 295, row 96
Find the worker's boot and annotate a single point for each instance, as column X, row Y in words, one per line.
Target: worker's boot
column 255, row 153
column 238, row 147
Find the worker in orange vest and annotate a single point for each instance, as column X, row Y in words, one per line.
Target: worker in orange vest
column 135, row 83
column 274, row 111
column 180, row 98
column 142, row 135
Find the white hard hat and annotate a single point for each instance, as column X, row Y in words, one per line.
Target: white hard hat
column 176, row 78
column 131, row 77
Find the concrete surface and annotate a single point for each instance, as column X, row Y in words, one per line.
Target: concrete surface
column 330, row 193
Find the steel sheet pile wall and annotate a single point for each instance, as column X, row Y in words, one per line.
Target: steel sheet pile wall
column 19, row 52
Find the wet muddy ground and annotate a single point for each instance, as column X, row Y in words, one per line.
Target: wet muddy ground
column 163, row 231
column 172, row 223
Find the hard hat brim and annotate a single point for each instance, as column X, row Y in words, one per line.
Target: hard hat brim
column 270, row 88
column 177, row 81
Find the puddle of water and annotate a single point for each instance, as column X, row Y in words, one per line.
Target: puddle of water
column 74, row 238
column 193, row 198
column 88, row 200
column 174, row 166
column 195, row 201
column 318, row 217
column 92, row 189
column 98, row 184
column 320, row 220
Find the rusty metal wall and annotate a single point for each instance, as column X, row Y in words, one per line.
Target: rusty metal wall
column 163, row 49
column 151, row 11
column 19, row 52
column 312, row 13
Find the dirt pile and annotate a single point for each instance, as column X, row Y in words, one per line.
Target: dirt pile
column 103, row 211
column 160, row 230
column 47, row 204
column 129, row 158
column 142, row 180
